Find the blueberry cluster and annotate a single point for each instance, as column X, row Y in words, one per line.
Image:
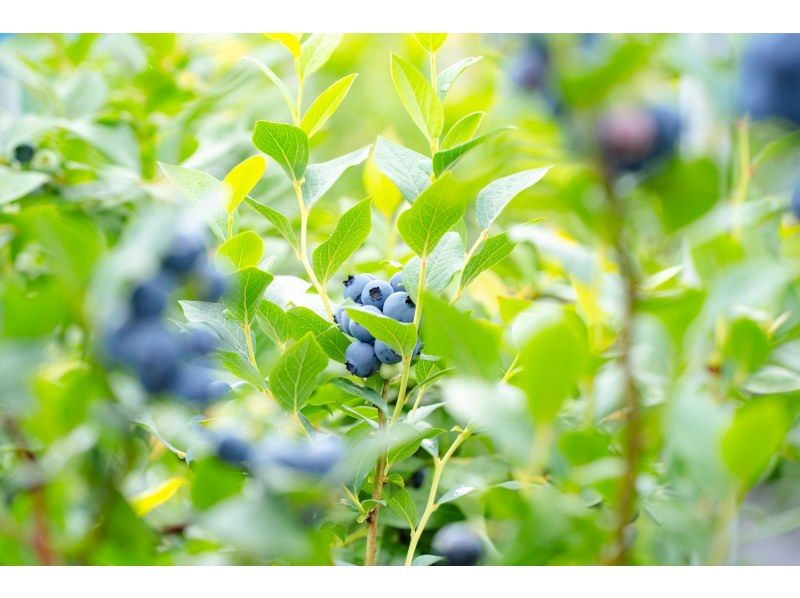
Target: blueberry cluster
column 315, row 457
column 365, row 354
column 770, row 77
column 633, row 138
column 163, row 360
column 458, row 544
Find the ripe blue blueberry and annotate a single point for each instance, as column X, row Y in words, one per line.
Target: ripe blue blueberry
column 212, row 284
column 397, row 282
column 358, row 331
column 770, row 77
column 342, row 319
column 316, row 457
column 185, row 253
column 530, row 72
column 201, row 342
column 24, row 152
column 400, row 307
column 153, row 352
column 385, row 354
column 149, row 298
column 354, row 285
column 458, row 544
column 233, row 450
column 360, row 359
column 375, row 293
column 631, row 139
column 193, row 384
column 218, row 389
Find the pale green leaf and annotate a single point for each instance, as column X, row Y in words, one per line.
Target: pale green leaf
column 204, row 191
column 285, row 93
column 494, row 250
column 278, row 220
column 411, row 438
column 401, row 337
column 442, row 263
column 449, row 75
column 286, row 144
column 326, row 104
column 463, row 130
column 445, row 159
column 315, row 52
column 350, row 233
column 273, row 321
column 431, row 42
column 407, row 169
column 455, row 493
column 369, row 395
column 213, row 315
column 495, row 196
column 321, row 177
column 418, row 97
column 241, row 251
column 294, row 376
column 15, row 184
column 434, row 212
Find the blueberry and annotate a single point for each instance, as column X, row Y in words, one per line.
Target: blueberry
column 397, row 282
column 185, row 253
column 770, row 77
column 358, row 331
column 375, row 293
column 24, row 152
column 385, row 354
column 233, row 450
column 193, row 384
column 458, row 544
column 315, row 457
column 360, row 359
column 417, row 478
column 149, row 298
column 341, row 318
column 400, row 307
column 630, row 139
column 153, row 352
column 353, row 285
column 530, row 72
column 794, row 203
column 201, row 342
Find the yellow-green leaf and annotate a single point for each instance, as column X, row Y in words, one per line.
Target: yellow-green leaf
column 431, row 42
column 326, row 104
column 418, row 97
column 154, row 497
column 239, row 182
column 289, row 41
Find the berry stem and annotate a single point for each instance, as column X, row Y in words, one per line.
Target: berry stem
column 303, row 255
column 377, row 490
column 431, row 505
column 403, row 391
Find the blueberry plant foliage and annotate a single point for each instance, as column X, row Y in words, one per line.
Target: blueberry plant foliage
column 375, row 300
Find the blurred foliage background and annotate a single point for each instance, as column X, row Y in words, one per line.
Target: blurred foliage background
column 678, row 440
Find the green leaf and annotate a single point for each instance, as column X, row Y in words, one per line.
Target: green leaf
column 495, row 196
column 278, row 220
column 431, row 42
column 321, row 177
column 434, row 212
column 315, row 52
column 553, row 356
column 288, row 40
column 685, row 191
column 412, row 438
column 213, row 316
column 273, row 321
column 326, row 104
column 408, row 170
column 370, row 396
column 401, row 337
column 418, row 97
column 286, row 144
column 449, row 75
column 463, row 130
column 444, row 261
column 494, row 250
column 239, row 182
column 753, row 439
column 240, row 367
column 204, row 191
column 455, row 493
column 15, row 184
column 287, row 96
column 213, row 482
column 294, row 376
column 303, row 320
column 401, row 503
column 245, row 294
column 241, row 251
column 350, row 233
column 475, row 349
column 445, row 159
column 426, row 560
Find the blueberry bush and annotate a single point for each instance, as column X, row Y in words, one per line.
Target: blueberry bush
column 399, row 299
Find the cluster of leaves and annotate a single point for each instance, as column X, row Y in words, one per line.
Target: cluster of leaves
column 609, row 365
